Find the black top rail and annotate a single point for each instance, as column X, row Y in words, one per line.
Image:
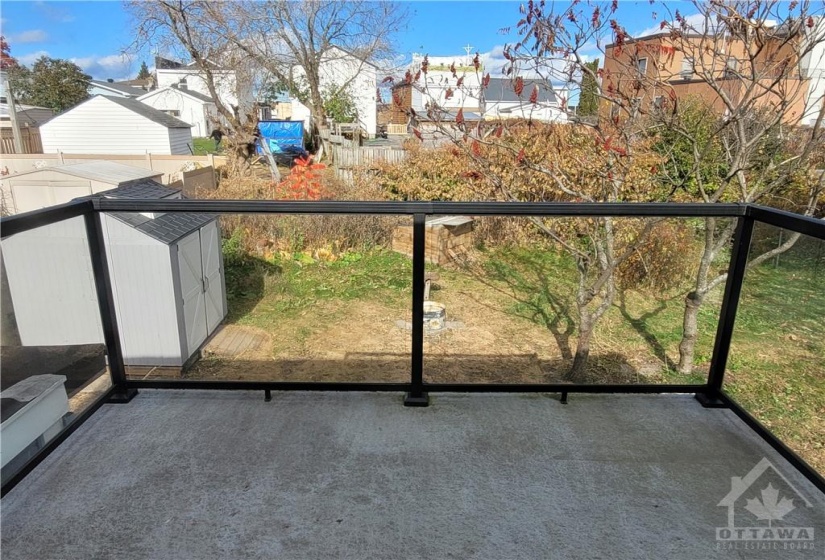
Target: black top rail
column 561, row 209
column 43, row 217
column 806, row 225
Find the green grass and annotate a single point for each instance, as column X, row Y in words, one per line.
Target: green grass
column 775, row 367
column 261, row 293
column 203, row 146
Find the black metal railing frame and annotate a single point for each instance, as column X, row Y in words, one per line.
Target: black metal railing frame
column 710, row 394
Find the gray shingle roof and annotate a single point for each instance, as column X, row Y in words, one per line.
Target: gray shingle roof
column 167, row 228
column 122, row 88
column 140, row 188
column 149, row 112
column 501, row 89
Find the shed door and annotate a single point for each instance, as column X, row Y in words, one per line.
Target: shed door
column 192, row 288
column 213, row 290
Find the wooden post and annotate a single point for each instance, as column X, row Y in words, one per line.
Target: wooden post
column 15, row 126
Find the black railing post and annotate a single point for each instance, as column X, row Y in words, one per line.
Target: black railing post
column 727, row 315
column 417, row 396
column 106, row 303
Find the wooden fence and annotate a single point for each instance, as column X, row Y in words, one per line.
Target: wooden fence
column 397, row 129
column 29, row 136
column 347, row 158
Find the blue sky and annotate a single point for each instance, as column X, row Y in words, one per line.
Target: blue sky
column 94, row 34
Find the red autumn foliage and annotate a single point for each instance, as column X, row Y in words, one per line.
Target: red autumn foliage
column 425, row 64
column 485, row 81
column 448, row 94
column 418, row 134
column 518, row 86
column 459, row 117
column 534, row 95
column 460, row 81
column 302, row 183
column 476, row 62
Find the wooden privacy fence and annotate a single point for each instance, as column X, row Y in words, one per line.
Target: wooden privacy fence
column 346, row 158
column 29, row 136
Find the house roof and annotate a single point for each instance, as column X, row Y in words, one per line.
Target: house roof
column 100, row 170
column 118, row 88
column 501, row 89
column 150, row 113
column 193, row 94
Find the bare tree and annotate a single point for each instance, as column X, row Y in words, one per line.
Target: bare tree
column 758, row 66
column 185, row 27
column 293, row 41
column 525, row 160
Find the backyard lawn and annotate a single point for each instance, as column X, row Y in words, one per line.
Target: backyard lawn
column 510, row 319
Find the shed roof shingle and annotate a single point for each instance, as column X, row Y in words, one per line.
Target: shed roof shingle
column 501, row 89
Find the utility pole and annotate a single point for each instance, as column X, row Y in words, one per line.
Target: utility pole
column 15, row 126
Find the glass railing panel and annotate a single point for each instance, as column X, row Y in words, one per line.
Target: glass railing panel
column 505, row 299
column 776, row 367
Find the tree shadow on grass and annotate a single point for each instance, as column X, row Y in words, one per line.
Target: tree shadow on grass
column 639, row 324
column 529, row 285
column 246, row 284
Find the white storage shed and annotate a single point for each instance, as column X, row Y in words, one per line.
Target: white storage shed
column 167, row 276
column 115, row 125
column 48, row 186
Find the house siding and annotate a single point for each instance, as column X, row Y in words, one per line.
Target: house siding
column 101, row 126
column 180, row 141
column 190, row 110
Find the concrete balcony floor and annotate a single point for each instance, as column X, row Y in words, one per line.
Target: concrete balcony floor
column 208, row 474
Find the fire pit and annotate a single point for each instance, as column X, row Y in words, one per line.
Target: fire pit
column 435, row 317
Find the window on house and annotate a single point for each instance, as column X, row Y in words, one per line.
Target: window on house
column 182, row 84
column 642, row 66
column 687, row 68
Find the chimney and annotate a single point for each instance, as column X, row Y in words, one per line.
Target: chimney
column 110, row 80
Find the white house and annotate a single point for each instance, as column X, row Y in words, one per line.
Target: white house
column 500, row 101
column 439, row 84
column 189, row 105
column 114, row 89
column 190, row 77
column 339, row 68
column 812, row 67
column 115, row 125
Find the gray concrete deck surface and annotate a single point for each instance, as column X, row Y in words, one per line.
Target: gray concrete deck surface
column 198, row 475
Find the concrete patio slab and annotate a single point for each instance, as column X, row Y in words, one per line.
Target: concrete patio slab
column 207, row 474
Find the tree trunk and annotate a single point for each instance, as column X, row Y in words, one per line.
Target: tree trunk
column 579, row 367
column 690, row 332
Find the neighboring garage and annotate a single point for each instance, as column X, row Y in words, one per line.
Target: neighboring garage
column 40, row 188
column 114, row 125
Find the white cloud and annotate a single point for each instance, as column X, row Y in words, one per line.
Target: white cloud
column 115, row 66
column 29, row 59
column 53, row 12
column 31, row 36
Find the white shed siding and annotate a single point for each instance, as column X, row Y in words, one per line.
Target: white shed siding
column 190, row 110
column 101, row 126
column 52, row 285
column 180, row 141
column 226, row 85
column 145, row 297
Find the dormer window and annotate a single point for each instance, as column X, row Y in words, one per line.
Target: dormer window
column 182, row 84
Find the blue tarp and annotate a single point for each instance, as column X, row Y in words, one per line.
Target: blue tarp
column 281, row 135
